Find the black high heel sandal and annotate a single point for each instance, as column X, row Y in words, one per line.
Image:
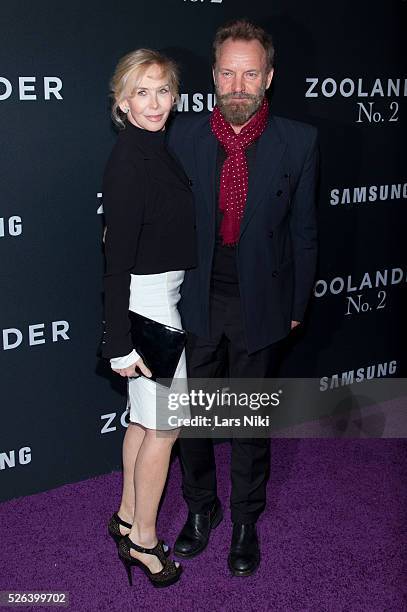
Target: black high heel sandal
column 169, row 574
column 115, row 533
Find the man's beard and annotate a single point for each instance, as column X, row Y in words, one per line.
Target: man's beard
column 239, row 113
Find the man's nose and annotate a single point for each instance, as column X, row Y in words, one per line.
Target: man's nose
column 239, row 85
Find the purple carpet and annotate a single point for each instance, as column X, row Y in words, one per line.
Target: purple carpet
column 333, row 538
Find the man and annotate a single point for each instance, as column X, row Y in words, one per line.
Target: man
column 253, row 175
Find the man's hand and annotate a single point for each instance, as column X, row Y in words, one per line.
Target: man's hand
column 294, row 324
column 131, row 370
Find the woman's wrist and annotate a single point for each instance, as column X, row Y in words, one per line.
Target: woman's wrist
column 119, row 363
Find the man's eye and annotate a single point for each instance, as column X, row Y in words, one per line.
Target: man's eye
column 252, row 75
column 226, row 74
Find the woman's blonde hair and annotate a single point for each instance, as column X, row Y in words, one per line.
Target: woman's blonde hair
column 134, row 64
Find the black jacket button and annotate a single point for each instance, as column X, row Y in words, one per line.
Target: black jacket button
column 279, row 192
column 274, row 273
column 271, row 234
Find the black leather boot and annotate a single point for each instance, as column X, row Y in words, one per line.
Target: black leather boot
column 194, row 536
column 244, row 556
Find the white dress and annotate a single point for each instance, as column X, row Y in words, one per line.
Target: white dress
column 155, row 296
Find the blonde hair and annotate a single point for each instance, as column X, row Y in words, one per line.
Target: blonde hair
column 135, row 64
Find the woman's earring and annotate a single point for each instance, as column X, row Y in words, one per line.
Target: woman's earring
column 126, row 110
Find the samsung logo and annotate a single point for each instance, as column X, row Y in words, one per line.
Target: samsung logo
column 343, row 379
column 196, row 102
column 369, row 193
column 11, row 226
column 12, row 458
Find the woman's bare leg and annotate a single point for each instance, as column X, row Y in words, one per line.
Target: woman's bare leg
column 150, row 474
column 132, row 442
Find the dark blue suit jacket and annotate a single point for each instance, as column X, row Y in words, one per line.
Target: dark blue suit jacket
column 277, row 247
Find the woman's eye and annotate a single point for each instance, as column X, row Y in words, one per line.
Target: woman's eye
column 141, row 92
column 164, row 91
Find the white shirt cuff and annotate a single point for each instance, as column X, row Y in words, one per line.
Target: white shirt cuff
column 118, row 363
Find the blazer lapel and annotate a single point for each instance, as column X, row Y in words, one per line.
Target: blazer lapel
column 206, row 152
column 269, row 153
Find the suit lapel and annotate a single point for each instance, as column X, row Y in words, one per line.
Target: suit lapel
column 269, row 153
column 206, row 152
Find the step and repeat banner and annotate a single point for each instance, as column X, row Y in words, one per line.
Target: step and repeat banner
column 339, row 67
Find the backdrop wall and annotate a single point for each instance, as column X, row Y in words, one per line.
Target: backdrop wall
column 338, row 67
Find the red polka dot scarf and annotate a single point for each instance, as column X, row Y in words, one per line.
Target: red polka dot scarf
column 234, row 177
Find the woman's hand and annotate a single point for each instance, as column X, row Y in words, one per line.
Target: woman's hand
column 131, row 370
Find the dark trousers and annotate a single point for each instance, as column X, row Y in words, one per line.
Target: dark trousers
column 208, row 358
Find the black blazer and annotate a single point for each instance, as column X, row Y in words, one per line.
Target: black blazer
column 277, row 248
column 149, row 212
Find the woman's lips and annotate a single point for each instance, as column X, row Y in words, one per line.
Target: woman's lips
column 154, row 118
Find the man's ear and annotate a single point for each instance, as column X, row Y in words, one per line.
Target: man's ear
column 269, row 78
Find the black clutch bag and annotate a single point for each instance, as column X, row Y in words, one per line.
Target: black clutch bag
column 160, row 346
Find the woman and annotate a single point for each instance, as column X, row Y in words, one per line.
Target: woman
column 149, row 242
